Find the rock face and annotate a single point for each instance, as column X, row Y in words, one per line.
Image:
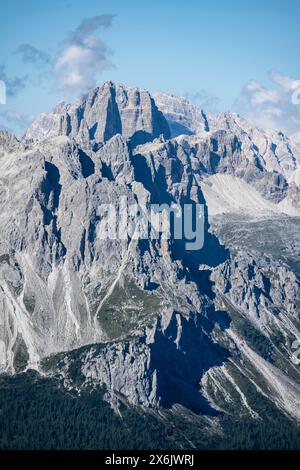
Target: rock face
column 155, row 323
column 256, row 290
column 296, row 138
column 47, row 124
column 108, row 110
column 9, row 143
column 267, row 159
column 182, row 116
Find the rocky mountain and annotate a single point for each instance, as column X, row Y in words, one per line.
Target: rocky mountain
column 296, row 138
column 106, row 111
column 267, row 160
column 157, row 325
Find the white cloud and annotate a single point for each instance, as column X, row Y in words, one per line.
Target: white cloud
column 82, row 56
column 276, row 106
column 284, row 81
column 260, row 95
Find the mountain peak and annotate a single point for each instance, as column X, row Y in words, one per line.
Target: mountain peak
column 109, row 109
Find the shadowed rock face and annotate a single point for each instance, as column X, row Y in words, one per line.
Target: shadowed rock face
column 154, row 323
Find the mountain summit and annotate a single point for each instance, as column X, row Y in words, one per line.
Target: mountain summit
column 106, row 111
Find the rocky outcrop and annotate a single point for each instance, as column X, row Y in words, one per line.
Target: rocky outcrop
column 258, row 287
column 162, row 367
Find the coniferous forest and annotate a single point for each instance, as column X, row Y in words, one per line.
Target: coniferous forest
column 37, row 413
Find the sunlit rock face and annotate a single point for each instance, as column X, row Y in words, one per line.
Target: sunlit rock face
column 108, row 110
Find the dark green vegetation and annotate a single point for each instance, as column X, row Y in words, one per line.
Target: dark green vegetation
column 36, row 413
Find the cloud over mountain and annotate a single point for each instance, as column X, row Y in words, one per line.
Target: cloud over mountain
column 82, row 56
column 276, row 106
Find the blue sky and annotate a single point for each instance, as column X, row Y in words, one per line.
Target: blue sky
column 210, row 50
